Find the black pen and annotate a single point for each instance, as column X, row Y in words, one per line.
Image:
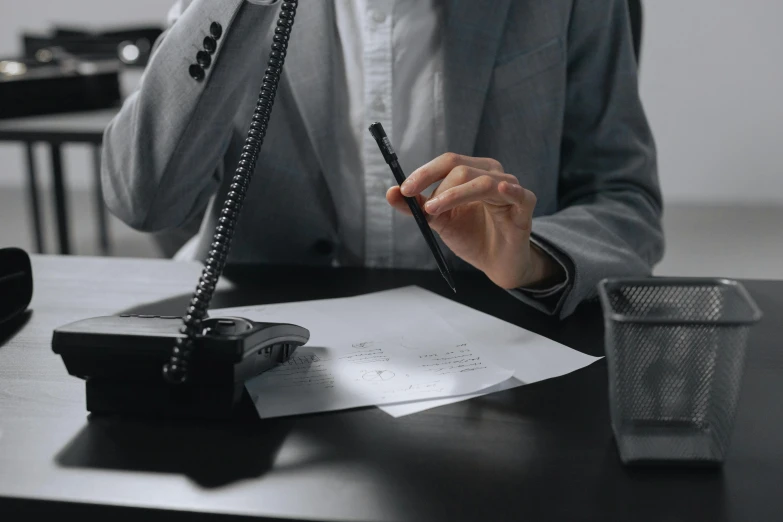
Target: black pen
column 376, row 129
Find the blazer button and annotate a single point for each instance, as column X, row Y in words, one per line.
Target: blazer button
column 324, row 247
column 204, row 59
column 197, row 73
column 216, row 30
column 210, row 45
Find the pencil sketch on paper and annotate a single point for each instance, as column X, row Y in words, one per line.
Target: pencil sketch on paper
column 378, row 375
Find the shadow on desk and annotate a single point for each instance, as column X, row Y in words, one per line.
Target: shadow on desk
column 212, row 454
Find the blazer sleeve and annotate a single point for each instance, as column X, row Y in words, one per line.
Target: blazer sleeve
column 162, row 152
column 610, row 206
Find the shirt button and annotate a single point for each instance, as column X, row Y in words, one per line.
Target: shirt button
column 324, row 247
column 378, row 105
column 379, row 17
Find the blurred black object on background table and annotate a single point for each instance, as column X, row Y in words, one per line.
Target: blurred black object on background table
column 130, row 45
column 540, row 452
column 64, row 84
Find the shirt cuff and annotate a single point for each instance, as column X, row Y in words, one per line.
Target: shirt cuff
column 548, row 300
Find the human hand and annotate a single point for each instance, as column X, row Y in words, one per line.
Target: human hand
column 483, row 215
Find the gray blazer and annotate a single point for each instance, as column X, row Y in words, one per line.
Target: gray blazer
column 547, row 87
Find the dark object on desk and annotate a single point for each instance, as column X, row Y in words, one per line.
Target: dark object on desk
column 65, row 84
column 191, row 367
column 132, row 46
column 376, row 129
column 16, row 283
column 120, row 358
column 675, row 349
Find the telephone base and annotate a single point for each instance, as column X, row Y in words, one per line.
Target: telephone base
column 159, row 399
column 121, row 360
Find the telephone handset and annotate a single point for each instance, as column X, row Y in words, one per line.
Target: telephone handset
column 191, row 366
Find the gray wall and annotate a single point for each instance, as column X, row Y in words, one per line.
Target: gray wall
column 711, row 74
column 712, row 81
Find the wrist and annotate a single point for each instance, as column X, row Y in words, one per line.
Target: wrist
column 545, row 271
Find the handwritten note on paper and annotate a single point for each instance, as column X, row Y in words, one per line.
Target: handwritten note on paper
column 532, row 357
column 346, row 366
column 360, row 330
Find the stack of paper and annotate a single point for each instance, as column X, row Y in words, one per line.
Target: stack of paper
column 403, row 350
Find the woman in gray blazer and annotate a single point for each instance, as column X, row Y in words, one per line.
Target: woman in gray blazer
column 520, row 123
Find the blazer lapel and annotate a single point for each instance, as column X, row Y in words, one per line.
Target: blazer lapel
column 473, row 30
column 472, row 35
column 308, row 71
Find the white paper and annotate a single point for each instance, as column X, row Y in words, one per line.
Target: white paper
column 532, row 357
column 529, row 356
column 361, row 354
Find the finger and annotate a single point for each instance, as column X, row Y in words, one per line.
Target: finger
column 516, row 195
column 486, row 189
column 522, row 199
column 441, row 166
column 462, row 174
column 396, row 200
column 483, row 188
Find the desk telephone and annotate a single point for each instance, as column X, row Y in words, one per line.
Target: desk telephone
column 192, row 366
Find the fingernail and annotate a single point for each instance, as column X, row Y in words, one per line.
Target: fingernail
column 432, row 205
column 406, row 187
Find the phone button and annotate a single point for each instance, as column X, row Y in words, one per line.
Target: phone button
column 227, row 325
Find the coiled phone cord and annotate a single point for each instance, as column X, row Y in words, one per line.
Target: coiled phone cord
column 175, row 370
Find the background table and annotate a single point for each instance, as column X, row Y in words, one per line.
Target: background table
column 57, row 130
column 538, row 452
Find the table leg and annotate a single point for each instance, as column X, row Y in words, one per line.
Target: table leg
column 59, row 198
column 100, row 206
column 32, row 191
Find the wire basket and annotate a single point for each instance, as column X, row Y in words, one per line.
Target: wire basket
column 675, row 349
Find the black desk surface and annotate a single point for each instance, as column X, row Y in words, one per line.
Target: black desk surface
column 538, row 452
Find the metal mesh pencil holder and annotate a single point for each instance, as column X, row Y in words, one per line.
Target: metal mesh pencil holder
column 675, row 349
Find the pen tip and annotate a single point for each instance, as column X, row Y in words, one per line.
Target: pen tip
column 449, row 280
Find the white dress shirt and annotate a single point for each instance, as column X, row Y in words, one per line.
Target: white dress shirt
column 392, row 60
